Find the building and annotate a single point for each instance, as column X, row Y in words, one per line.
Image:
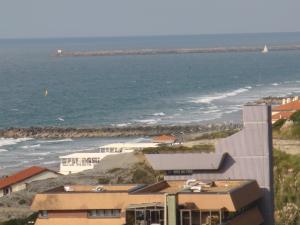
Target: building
column 19, row 181
column 231, row 202
column 244, row 155
column 232, row 186
column 289, row 107
column 165, row 139
column 78, row 162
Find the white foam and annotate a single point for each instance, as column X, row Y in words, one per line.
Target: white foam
column 212, row 111
column 147, row 121
column 31, row 146
column 61, row 119
column 56, row 141
column 275, row 84
column 12, row 141
column 39, row 153
column 218, row 96
column 122, row 124
column 50, row 162
column 159, row 114
column 3, row 150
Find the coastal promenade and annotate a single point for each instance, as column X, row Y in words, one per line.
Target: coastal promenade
column 159, row 51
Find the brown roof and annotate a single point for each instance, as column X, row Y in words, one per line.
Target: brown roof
column 21, row 176
column 164, row 138
column 282, row 115
column 291, row 106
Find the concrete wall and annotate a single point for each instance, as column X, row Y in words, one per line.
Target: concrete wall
column 249, row 156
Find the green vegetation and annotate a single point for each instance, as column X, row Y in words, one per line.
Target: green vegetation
column 103, row 180
column 287, row 188
column 144, row 174
column 296, row 117
column 23, row 221
column 216, row 135
column 278, row 124
column 205, row 148
column 287, row 131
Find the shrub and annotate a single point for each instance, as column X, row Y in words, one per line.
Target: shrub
column 278, row 124
column 205, row 148
column 103, row 180
column 296, row 117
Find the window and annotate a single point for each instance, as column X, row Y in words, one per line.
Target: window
column 104, row 213
column 180, row 172
column 43, row 214
column 7, row 190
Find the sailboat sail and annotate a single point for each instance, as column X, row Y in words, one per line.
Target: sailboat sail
column 265, row 50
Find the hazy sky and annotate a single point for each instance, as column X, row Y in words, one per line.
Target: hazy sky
column 61, row 18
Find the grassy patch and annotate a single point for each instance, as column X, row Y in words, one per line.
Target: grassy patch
column 22, row 221
column 287, row 188
column 291, row 132
column 204, row 148
column 144, row 174
column 216, row 135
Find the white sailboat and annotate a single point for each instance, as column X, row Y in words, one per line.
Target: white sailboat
column 265, row 50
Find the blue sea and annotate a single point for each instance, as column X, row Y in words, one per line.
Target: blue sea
column 134, row 90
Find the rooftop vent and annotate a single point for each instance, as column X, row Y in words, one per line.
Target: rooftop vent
column 68, row 188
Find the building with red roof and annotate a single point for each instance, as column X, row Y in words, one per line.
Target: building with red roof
column 285, row 111
column 20, row 180
column 165, row 139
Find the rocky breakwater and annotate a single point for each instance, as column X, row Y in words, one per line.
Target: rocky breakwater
column 130, row 131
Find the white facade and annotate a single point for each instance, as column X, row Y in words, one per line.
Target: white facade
column 78, row 162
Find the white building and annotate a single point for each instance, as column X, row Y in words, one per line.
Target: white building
column 78, row 162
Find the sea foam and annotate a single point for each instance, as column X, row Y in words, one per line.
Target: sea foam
column 219, row 96
column 56, row 141
column 12, row 141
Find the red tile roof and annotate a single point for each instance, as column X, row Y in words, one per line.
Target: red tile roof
column 291, row 106
column 164, row 138
column 21, row 176
column 282, row 115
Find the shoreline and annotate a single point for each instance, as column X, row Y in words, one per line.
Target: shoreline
column 129, row 131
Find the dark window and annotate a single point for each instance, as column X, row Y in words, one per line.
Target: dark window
column 43, row 214
column 104, row 213
column 7, row 190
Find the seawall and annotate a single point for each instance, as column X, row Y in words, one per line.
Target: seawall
column 158, row 51
column 132, row 131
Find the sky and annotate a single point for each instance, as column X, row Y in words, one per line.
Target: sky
column 96, row 18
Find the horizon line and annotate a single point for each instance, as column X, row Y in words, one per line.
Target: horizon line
column 144, row 36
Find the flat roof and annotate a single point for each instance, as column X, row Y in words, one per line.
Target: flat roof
column 92, row 188
column 83, row 155
column 179, row 186
column 229, row 194
column 186, row 161
column 131, row 145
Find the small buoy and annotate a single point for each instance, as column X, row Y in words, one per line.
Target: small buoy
column 46, row 92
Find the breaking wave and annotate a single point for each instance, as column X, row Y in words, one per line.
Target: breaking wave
column 57, row 141
column 159, row 114
column 31, row 146
column 12, row 141
column 209, row 99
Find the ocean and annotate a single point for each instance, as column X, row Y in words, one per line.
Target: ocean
column 132, row 90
